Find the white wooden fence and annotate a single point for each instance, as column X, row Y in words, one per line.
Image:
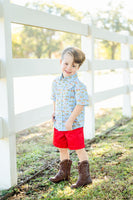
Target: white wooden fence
column 10, row 68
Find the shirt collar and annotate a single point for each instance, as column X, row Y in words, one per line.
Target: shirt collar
column 72, row 77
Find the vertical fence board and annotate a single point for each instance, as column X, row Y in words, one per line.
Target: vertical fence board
column 88, row 47
column 125, row 55
column 8, row 172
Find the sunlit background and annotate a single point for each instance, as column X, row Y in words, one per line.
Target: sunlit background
column 30, row 42
column 84, row 6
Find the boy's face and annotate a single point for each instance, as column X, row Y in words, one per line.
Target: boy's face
column 68, row 66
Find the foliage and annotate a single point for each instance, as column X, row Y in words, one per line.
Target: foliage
column 113, row 20
column 43, row 43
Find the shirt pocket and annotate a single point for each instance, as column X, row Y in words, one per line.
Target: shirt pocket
column 69, row 94
column 69, row 88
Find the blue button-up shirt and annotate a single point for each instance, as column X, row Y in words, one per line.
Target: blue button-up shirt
column 68, row 92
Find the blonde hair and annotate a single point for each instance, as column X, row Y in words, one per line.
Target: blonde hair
column 78, row 55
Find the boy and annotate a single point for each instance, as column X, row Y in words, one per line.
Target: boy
column 70, row 96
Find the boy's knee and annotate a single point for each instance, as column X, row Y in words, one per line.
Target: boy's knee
column 63, row 149
column 78, row 151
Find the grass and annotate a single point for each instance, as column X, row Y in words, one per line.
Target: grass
column 110, row 158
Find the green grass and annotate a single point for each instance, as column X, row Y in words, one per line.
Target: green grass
column 110, row 158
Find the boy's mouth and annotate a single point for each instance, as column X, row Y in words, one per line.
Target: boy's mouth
column 67, row 72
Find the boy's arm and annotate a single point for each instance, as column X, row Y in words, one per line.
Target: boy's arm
column 77, row 110
column 54, row 105
column 53, row 115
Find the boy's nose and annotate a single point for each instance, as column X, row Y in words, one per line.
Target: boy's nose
column 69, row 66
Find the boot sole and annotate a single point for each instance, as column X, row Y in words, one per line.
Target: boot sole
column 74, row 187
column 58, row 181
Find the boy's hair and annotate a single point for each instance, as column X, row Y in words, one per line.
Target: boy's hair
column 77, row 54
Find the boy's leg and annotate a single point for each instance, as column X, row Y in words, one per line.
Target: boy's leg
column 65, row 167
column 82, row 154
column 64, row 153
column 83, row 169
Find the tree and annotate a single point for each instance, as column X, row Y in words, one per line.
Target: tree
column 113, row 20
column 42, row 43
column 17, row 50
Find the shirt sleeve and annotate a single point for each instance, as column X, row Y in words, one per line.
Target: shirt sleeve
column 81, row 95
column 53, row 96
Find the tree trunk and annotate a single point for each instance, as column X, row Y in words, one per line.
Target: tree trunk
column 113, row 49
column 49, row 54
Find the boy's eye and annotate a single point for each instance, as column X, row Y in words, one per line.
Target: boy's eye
column 74, row 66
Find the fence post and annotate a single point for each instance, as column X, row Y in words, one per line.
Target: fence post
column 87, row 45
column 8, row 172
column 125, row 56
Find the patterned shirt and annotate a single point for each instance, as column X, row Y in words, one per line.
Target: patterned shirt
column 68, row 92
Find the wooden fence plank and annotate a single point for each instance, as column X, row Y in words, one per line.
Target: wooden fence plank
column 30, row 17
column 34, row 67
column 101, row 96
column 33, row 117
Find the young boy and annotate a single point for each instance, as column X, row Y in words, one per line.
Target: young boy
column 70, row 96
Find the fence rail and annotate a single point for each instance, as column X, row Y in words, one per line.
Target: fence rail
column 107, row 35
column 33, row 117
column 34, row 67
column 44, row 20
column 10, row 68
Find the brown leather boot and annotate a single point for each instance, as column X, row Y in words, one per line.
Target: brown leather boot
column 63, row 173
column 84, row 175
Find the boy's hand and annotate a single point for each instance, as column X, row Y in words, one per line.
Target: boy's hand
column 53, row 117
column 68, row 125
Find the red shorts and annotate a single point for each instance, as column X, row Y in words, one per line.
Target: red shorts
column 72, row 140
